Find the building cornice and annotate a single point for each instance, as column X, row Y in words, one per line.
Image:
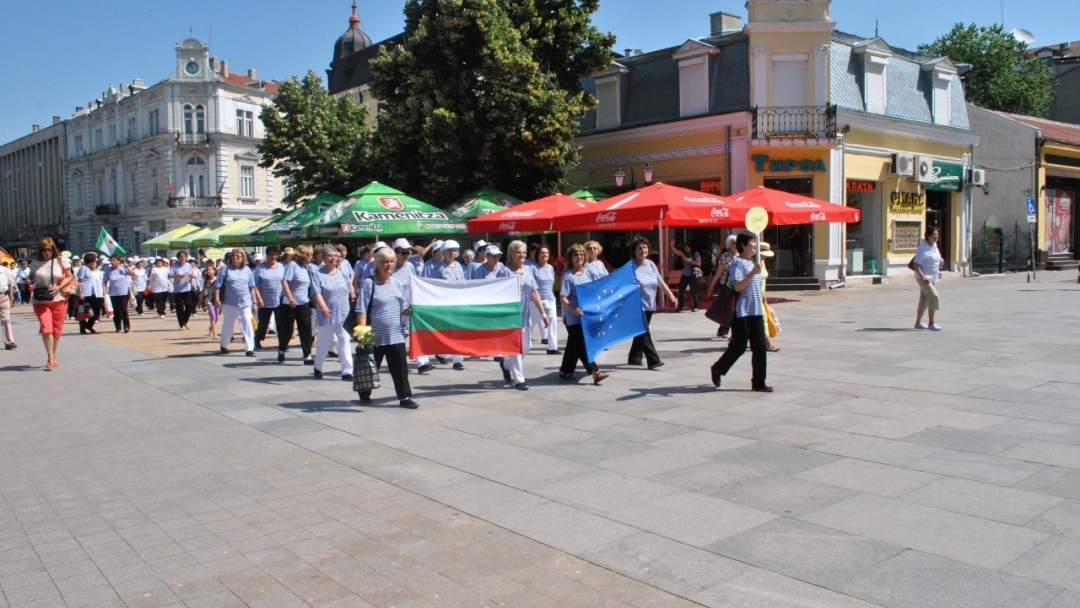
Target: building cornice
column 924, row 131
column 652, row 157
column 788, row 27
column 676, row 128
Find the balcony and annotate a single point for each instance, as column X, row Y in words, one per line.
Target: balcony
column 107, row 210
column 192, row 140
column 795, row 123
column 193, row 202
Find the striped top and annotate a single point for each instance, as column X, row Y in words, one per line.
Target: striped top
column 483, row 272
column 90, row 282
column 570, row 282
column 418, row 264
column 431, row 269
column 455, row 273
column 334, row 288
column 238, row 283
column 527, row 285
column 362, row 267
column 346, row 268
column 648, row 280
column 470, row 270
column 268, row 281
column 119, row 281
column 749, row 302
column 385, row 314
column 299, row 281
column 403, row 275
column 596, row 269
column 545, row 281
column 182, row 283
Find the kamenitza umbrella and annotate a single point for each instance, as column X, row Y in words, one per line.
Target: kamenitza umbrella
column 785, row 208
column 590, row 194
column 185, row 241
column 290, row 226
column 162, row 240
column 250, row 235
column 658, row 205
column 481, row 202
column 534, row 216
column 379, row 209
column 213, row 238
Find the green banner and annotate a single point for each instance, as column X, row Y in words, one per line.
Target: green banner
column 948, row 177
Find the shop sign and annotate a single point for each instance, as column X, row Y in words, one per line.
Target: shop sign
column 911, row 202
column 855, row 186
column 947, row 177
column 712, row 186
column 763, row 163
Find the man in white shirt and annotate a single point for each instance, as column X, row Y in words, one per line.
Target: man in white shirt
column 22, row 281
column 7, row 296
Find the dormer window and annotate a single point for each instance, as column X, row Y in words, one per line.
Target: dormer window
column 693, row 58
column 609, row 92
column 943, row 73
column 876, row 55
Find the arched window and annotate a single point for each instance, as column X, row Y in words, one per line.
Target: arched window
column 189, row 119
column 196, row 177
column 200, row 119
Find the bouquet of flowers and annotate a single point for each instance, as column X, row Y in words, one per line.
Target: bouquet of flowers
column 364, row 335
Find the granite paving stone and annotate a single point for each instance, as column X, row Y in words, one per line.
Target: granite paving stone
column 978, row 467
column 989, row 501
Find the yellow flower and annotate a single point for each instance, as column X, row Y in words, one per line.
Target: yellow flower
column 362, row 332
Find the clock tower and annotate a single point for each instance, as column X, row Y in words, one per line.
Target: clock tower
column 192, row 61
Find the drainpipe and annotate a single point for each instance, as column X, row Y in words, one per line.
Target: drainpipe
column 727, row 161
column 970, row 213
column 843, row 230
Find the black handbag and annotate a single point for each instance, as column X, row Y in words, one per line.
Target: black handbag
column 42, row 294
column 722, row 309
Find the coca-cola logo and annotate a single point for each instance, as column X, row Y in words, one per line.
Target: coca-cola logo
column 391, row 203
column 802, row 205
column 606, row 217
column 719, row 212
column 507, row 226
column 818, row 216
column 517, row 214
column 703, row 199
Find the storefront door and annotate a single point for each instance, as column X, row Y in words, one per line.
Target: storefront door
column 1059, row 218
column 794, row 245
column 938, row 214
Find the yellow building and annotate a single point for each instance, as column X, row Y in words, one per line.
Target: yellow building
column 788, row 102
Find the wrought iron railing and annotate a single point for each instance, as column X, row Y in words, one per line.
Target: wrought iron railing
column 107, row 210
column 795, row 123
column 1010, row 250
column 192, row 202
column 192, row 139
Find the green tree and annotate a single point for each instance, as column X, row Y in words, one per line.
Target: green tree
column 485, row 93
column 313, row 141
column 1002, row 76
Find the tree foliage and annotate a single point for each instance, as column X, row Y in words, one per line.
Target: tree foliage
column 485, row 93
column 313, row 141
column 1002, row 76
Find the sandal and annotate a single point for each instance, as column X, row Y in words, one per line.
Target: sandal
column 599, row 377
column 772, row 348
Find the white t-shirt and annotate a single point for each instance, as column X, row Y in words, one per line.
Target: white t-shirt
column 6, row 279
column 928, row 258
column 159, row 280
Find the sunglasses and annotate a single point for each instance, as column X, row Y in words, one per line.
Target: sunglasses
column 400, row 252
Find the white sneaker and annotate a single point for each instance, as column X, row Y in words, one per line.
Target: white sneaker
column 935, row 327
column 920, row 326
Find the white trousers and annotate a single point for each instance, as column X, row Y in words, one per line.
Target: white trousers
column 515, row 364
column 327, row 333
column 551, row 332
column 229, row 315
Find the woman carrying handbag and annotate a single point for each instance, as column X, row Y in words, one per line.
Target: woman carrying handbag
column 382, row 303
column 54, row 283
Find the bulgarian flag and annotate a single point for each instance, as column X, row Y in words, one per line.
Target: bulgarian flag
column 108, row 245
column 476, row 318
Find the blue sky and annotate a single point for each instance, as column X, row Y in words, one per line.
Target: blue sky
column 60, row 54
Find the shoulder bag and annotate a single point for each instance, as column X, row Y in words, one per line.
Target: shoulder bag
column 722, row 309
column 44, row 295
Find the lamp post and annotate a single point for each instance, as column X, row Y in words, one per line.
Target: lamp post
column 646, row 172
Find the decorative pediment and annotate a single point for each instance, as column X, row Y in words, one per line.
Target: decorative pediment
column 692, row 49
column 613, row 71
column 152, row 154
column 942, row 66
column 194, row 91
column 875, row 49
column 249, row 155
column 247, row 99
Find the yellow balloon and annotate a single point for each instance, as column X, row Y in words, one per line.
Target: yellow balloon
column 757, row 219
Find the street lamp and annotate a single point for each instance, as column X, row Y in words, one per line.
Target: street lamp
column 620, row 177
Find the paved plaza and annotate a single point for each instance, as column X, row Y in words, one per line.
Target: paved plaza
column 891, row 467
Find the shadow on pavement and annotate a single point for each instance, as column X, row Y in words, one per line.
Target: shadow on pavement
column 887, row 329
column 337, row 405
column 17, row 368
column 669, row 391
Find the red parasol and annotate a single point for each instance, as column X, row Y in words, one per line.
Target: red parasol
column 657, row 205
column 785, row 208
column 534, row 216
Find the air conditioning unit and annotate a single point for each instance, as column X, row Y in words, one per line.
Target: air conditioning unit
column 977, row 177
column 902, row 164
column 924, row 170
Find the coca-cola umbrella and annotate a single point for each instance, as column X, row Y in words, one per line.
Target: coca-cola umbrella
column 785, row 208
column 658, row 205
column 534, row 216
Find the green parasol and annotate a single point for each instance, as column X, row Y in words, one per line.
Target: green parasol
column 290, row 226
column 590, row 194
column 250, row 235
column 161, row 241
column 481, row 202
column 213, row 238
column 379, row 209
column 186, row 241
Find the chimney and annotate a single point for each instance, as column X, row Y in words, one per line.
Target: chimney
column 725, row 23
column 637, row 51
column 252, row 74
column 628, row 52
column 137, row 82
column 213, row 64
column 224, row 68
column 55, row 120
column 36, row 129
column 78, row 109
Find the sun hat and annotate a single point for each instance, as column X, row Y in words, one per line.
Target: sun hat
column 493, row 250
column 478, row 244
column 288, row 251
column 766, row 250
column 402, row 243
column 451, row 245
column 437, row 245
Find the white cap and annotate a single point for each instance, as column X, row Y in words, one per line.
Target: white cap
column 377, row 246
column 451, row 245
column 493, row 250
column 437, row 245
column 478, row 244
column 174, row 259
column 402, row 244
column 258, row 257
column 131, row 259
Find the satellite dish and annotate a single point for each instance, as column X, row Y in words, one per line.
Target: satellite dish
column 1023, row 35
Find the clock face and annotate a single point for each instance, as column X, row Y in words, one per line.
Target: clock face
column 192, row 68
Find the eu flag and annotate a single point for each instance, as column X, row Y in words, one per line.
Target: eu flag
column 612, row 308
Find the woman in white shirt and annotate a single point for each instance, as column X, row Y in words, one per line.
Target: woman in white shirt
column 91, row 290
column 927, row 265
column 159, row 285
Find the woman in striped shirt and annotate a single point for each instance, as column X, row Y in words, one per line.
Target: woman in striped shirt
column 234, row 294
column 118, row 284
column 572, row 313
column 749, row 321
column 382, row 304
column 296, row 309
column 333, row 291
column 593, row 264
column 513, row 365
column 545, row 283
column 649, row 280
